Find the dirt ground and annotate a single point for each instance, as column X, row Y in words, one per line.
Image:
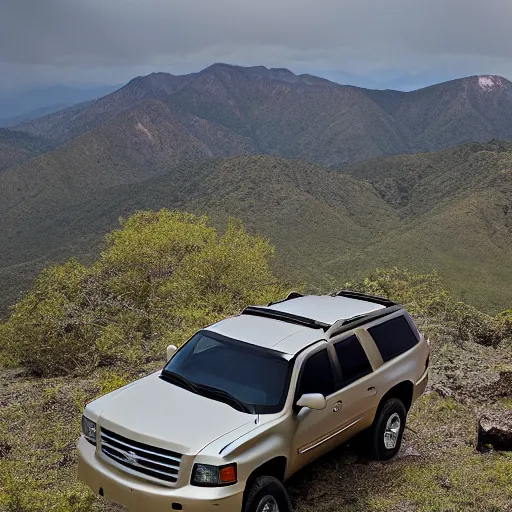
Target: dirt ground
column 438, row 468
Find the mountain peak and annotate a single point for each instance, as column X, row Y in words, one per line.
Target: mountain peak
column 275, row 73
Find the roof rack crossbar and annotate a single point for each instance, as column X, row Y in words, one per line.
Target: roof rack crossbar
column 366, row 297
column 290, row 296
column 348, row 324
column 285, row 317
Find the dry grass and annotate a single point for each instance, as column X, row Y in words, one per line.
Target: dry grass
column 437, row 469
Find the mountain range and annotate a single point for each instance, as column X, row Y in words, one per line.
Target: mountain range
column 298, row 158
column 229, row 110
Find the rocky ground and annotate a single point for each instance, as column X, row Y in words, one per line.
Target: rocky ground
column 438, row 468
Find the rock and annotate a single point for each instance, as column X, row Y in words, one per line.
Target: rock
column 445, row 483
column 503, row 388
column 408, row 451
column 494, row 429
column 442, row 391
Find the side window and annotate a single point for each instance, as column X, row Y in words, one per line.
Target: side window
column 316, row 375
column 393, row 337
column 353, row 361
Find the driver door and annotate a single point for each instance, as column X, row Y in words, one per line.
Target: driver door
column 312, row 427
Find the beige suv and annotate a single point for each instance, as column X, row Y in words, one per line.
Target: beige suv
column 250, row 400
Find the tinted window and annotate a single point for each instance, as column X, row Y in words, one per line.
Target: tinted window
column 353, row 361
column 393, row 337
column 317, row 375
column 255, row 376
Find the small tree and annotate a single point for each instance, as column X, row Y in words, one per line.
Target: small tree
column 162, row 276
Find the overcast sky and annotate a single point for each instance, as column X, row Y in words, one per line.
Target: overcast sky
column 401, row 43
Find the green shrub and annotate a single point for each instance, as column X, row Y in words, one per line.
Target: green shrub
column 162, row 276
column 425, row 296
column 505, row 318
column 476, row 326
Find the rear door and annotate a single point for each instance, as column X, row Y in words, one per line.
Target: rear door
column 357, row 394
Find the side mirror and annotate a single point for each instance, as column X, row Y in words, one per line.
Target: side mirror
column 314, row 401
column 171, row 350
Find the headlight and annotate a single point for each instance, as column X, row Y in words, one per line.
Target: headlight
column 214, row 476
column 89, row 430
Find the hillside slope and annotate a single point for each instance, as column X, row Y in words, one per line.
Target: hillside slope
column 472, row 109
column 450, row 211
column 456, row 207
column 16, row 147
column 308, row 211
column 27, row 103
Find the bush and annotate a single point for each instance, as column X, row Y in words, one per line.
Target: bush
column 505, row 317
column 162, row 276
column 425, row 296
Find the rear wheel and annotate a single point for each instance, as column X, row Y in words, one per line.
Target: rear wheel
column 387, row 430
column 267, row 494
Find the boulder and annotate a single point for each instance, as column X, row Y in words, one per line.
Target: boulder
column 503, row 388
column 494, row 431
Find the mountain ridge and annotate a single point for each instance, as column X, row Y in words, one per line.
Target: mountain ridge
column 302, row 116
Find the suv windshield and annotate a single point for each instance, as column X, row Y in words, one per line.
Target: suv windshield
column 249, row 378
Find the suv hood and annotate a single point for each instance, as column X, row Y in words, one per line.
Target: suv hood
column 158, row 413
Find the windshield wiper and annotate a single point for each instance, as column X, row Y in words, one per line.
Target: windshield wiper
column 176, row 378
column 228, row 397
column 201, row 389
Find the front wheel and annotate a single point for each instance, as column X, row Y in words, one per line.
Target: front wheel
column 387, row 430
column 267, row 494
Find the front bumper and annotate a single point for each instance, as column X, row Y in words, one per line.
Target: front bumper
column 142, row 496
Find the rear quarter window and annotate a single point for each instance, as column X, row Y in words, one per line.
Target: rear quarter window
column 353, row 361
column 393, row 337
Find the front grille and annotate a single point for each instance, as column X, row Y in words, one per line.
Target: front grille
column 149, row 460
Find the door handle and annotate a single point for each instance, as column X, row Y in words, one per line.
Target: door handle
column 372, row 391
column 337, row 406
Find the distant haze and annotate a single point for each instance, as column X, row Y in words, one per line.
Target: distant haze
column 400, row 44
column 17, row 107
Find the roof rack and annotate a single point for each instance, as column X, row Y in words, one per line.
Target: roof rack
column 366, row 297
column 348, row 324
column 285, row 317
column 290, row 296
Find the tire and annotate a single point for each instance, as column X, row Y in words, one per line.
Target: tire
column 270, row 492
column 385, row 435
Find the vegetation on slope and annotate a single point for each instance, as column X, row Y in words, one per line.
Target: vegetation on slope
column 456, row 207
column 308, row 211
column 448, row 211
column 16, row 147
column 437, row 470
column 162, row 276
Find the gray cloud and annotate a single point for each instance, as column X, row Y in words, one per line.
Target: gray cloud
column 85, row 40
